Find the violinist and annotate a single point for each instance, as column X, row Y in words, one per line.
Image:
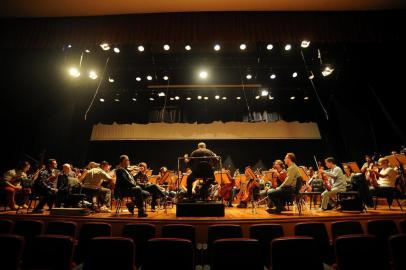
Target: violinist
column 46, row 186
column 279, row 195
column 386, row 183
column 164, row 181
column 348, row 174
column 335, row 182
column 278, row 176
column 368, row 164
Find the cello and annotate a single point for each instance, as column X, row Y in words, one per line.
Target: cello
column 324, row 177
column 226, row 188
column 246, row 192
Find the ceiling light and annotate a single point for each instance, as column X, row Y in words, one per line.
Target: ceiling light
column 206, row 98
column 177, row 98
column 327, row 71
column 199, row 97
column 166, row 47
column 134, row 99
column 116, row 100
column 171, row 98
column 243, row 47
column 141, row 48
column 116, row 50
column 74, row 72
column 188, row 48
column 138, row 79
column 264, row 93
column 294, row 74
column 288, row 47
column 92, row 75
column 269, row 47
column 217, row 97
column 161, row 94
column 311, row 76
column 105, row 46
column 273, row 76
column 256, row 97
column 101, row 100
column 151, row 98
column 249, row 76
column 203, row 74
column 238, row 97
column 217, row 47
column 111, row 80
column 224, row 98
column 87, row 51
column 188, row 98
column 306, row 98
column 292, row 97
column 271, row 97
column 165, row 78
column 305, row 44
column 69, row 46
column 149, row 78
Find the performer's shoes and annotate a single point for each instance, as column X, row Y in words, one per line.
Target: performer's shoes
column 142, row 214
column 130, row 207
column 274, row 211
column 242, row 205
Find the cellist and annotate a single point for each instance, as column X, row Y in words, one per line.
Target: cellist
column 336, row 183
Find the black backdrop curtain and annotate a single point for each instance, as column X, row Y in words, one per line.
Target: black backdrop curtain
column 203, row 27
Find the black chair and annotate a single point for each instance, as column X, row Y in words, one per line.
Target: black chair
column 237, row 254
column 6, row 226
column 88, row 231
column 169, row 253
column 106, row 253
column 382, row 229
column 265, row 233
column 357, row 202
column 397, row 244
column 295, row 253
column 12, row 251
column 63, row 227
column 140, row 233
column 181, row 231
column 297, row 196
column 388, row 193
column 49, row 252
column 340, row 228
column 28, row 228
column 318, row 231
column 359, row 252
column 402, row 225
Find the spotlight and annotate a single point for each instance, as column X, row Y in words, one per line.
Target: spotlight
column 199, row 97
column 256, row 97
column 116, row 50
column 101, row 100
column 203, row 74
column 116, row 100
column 327, row 71
column 217, row 47
column 69, row 46
column 306, row 98
column 92, row 75
column 188, row 98
column 188, row 48
column 238, row 98
column 161, row 94
column 171, row 98
column 74, row 72
column 176, row 97
column 111, row 80
column 151, row 98
column 134, row 99
column 249, row 76
column 292, row 97
column 141, row 48
column 305, row 43
column 264, row 93
column 149, row 78
column 269, row 47
column 87, row 51
column 217, row 97
column 105, row 46
column 138, row 79
column 288, row 47
column 294, row 74
column 206, row 98
column 166, row 47
column 166, row 78
column 224, row 98
column 311, row 76
column 243, row 47
column 271, row 97
column 273, row 76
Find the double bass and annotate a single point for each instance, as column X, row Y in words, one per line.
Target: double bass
column 246, row 192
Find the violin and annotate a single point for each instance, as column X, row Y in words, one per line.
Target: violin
column 246, row 193
column 324, row 177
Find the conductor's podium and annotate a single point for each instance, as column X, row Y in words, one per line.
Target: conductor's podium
column 200, row 209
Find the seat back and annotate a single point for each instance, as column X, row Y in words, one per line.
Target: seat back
column 265, row 233
column 397, row 244
column 62, row 227
column 181, row 231
column 12, row 251
column 6, row 226
column 140, row 233
column 88, row 231
column 223, row 231
column 402, row 225
column 28, row 228
column 382, row 229
column 340, row 228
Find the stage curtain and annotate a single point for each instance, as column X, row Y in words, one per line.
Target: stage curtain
column 203, row 27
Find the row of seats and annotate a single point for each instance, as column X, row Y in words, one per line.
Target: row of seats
column 143, row 237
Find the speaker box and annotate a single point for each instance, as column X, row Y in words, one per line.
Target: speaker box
column 70, row 211
column 200, row 209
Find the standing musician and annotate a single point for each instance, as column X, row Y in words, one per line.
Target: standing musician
column 142, row 180
column 335, row 182
column 279, row 195
column 201, row 168
column 126, row 185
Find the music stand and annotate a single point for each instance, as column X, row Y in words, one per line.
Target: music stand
column 353, row 166
column 303, row 174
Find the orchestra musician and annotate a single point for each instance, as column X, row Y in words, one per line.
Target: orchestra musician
column 279, row 195
column 142, row 180
column 348, row 174
column 386, row 184
column 46, row 186
column 368, row 164
column 166, row 184
column 201, row 168
column 336, row 183
column 12, row 183
column 278, row 176
column 126, row 185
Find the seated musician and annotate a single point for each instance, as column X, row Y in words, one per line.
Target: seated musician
column 278, row 176
column 127, row 186
column 165, row 186
column 348, row 174
column 64, row 187
column 386, row 183
column 13, row 182
column 336, row 183
column 279, row 195
column 201, row 168
column 46, row 186
column 142, row 180
column 93, row 181
column 236, row 188
column 368, row 164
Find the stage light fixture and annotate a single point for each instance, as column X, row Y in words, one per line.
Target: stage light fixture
column 161, row 94
column 188, row 98
column 149, row 78
column 111, row 79
column 105, row 46
column 92, row 75
column 217, row 47
column 141, row 48
column 238, row 98
column 74, row 72
column 327, row 71
column 167, row 47
column 243, row 47
column 101, row 100
column 171, row 98
column 206, row 98
column 306, row 98
column 294, row 74
column 199, row 97
column 311, row 76
column 271, row 97
column 138, row 79
column 264, row 92
column 134, row 99
column 116, row 100
column 269, row 47
column 203, row 74
column 87, row 51
column 257, row 97
column 273, row 76
column 188, row 47
column 165, row 78
column 217, row 97
column 151, row 98
column 249, row 76
column 288, row 47
column 69, row 46
column 224, row 98
column 292, row 97
column 116, row 50
column 177, row 97
column 305, row 43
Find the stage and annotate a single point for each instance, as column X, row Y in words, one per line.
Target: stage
column 243, row 217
